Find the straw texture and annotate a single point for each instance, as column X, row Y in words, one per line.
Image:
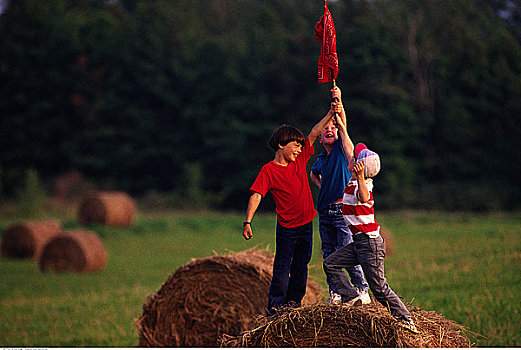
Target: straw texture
column 208, row 297
column 368, row 326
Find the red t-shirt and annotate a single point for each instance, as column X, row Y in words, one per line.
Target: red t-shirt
column 290, row 189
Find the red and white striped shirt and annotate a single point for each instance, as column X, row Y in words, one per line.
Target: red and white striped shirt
column 359, row 216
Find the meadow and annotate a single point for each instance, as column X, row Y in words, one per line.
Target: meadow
column 464, row 266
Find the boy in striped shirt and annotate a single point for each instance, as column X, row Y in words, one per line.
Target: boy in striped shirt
column 367, row 248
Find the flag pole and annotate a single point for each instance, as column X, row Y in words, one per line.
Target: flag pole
column 332, row 72
column 333, row 79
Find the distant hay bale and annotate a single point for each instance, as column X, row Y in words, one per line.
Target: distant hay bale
column 389, row 240
column 26, row 240
column 208, row 297
column 65, row 183
column 76, row 251
column 107, row 208
column 368, row 326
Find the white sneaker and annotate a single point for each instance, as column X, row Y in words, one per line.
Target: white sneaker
column 408, row 324
column 353, row 302
column 335, row 298
column 366, row 299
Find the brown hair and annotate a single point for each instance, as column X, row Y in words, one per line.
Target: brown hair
column 283, row 135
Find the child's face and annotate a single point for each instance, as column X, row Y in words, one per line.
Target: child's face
column 329, row 134
column 291, row 151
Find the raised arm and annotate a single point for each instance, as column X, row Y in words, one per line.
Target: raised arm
column 363, row 191
column 317, row 129
column 336, row 93
column 347, row 144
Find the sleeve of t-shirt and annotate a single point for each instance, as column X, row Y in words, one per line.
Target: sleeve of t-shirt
column 370, row 189
column 262, row 183
column 369, row 185
column 307, row 151
column 338, row 145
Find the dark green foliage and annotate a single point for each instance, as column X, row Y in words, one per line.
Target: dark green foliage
column 138, row 95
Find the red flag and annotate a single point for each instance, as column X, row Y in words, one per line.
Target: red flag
column 328, row 60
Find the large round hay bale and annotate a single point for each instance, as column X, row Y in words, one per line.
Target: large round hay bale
column 368, row 326
column 107, row 208
column 76, row 251
column 209, row 297
column 388, row 239
column 25, row 240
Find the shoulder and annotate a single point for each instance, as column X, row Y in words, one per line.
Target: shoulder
column 338, row 149
column 266, row 168
column 322, row 155
column 320, row 159
column 267, row 172
column 308, row 149
column 269, row 166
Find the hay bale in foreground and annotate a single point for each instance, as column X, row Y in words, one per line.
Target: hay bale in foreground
column 209, row 297
column 25, row 240
column 107, row 208
column 76, row 251
column 369, row 326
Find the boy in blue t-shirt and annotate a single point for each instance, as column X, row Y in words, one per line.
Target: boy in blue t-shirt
column 330, row 173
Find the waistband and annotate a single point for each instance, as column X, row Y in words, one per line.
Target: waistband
column 335, row 205
column 359, row 235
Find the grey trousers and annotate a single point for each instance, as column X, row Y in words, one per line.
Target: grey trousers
column 369, row 253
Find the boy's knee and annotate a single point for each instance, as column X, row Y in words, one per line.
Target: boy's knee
column 380, row 289
column 327, row 264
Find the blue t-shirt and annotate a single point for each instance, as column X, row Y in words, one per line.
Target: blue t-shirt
column 335, row 176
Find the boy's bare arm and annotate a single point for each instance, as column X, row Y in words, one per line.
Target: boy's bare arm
column 347, row 144
column 253, row 204
column 363, row 191
column 315, row 178
column 337, row 97
column 317, row 129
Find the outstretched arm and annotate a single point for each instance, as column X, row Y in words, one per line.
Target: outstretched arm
column 317, row 129
column 363, row 191
column 253, row 204
column 347, row 144
column 336, row 93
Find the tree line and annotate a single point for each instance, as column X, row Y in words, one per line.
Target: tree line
column 181, row 96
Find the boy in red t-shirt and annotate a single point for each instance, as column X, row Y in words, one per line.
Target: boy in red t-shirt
column 286, row 177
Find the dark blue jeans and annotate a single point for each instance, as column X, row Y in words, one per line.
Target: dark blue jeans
column 370, row 253
column 290, row 268
column 334, row 234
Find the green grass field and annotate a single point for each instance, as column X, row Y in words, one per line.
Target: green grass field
column 466, row 267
